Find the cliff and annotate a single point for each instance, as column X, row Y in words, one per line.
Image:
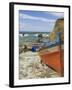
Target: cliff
column 59, row 27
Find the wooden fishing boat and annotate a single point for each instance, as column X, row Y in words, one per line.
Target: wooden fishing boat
column 54, row 58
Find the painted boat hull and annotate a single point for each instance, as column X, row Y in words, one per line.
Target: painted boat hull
column 54, row 59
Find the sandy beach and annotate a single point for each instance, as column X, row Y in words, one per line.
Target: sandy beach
column 30, row 66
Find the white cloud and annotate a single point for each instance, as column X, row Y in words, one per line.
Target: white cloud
column 58, row 14
column 24, row 25
column 25, row 16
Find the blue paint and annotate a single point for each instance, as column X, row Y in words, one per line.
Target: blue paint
column 33, row 49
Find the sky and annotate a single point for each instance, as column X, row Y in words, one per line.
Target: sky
column 38, row 21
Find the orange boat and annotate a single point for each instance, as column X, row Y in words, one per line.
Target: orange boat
column 54, row 58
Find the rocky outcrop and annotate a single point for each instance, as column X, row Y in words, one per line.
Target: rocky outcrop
column 59, row 27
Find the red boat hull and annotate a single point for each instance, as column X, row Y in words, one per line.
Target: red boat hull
column 55, row 60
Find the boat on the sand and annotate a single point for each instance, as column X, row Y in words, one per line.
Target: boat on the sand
column 54, row 58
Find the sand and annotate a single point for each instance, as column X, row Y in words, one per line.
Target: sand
column 30, row 67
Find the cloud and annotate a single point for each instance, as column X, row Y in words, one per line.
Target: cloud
column 25, row 16
column 25, row 26
column 30, row 27
column 58, row 14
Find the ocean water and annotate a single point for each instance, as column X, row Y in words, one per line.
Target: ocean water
column 27, row 39
column 33, row 38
